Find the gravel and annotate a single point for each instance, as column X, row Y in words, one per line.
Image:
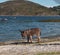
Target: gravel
column 28, row 49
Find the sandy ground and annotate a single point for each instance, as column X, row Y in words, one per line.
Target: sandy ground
column 29, row 49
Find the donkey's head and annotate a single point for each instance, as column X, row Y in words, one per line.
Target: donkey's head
column 23, row 34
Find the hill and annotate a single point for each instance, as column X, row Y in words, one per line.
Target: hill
column 23, row 7
column 57, row 8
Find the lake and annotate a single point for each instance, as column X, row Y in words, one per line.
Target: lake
column 10, row 26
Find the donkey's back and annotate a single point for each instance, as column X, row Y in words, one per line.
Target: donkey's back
column 35, row 31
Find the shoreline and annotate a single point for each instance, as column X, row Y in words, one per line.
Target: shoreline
column 29, row 15
column 24, row 41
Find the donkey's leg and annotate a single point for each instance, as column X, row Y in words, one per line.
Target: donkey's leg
column 28, row 38
column 38, row 38
column 31, row 39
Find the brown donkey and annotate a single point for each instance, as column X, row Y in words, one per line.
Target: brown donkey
column 30, row 32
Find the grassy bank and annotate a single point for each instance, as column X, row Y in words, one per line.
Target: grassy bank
column 50, row 53
column 50, row 20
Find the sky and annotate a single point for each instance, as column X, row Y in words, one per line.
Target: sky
column 47, row 3
column 2, row 1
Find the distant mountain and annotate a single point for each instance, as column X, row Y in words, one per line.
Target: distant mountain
column 23, row 7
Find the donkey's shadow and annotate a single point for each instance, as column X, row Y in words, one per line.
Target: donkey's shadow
column 35, row 43
column 18, row 43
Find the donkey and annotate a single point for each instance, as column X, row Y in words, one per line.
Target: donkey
column 29, row 33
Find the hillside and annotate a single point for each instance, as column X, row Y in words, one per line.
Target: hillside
column 22, row 7
column 57, row 8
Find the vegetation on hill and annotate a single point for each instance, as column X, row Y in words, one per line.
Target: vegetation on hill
column 57, row 8
column 24, row 7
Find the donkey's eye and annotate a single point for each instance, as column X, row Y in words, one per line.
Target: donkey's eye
column 22, row 32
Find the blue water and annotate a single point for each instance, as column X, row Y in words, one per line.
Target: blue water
column 10, row 26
